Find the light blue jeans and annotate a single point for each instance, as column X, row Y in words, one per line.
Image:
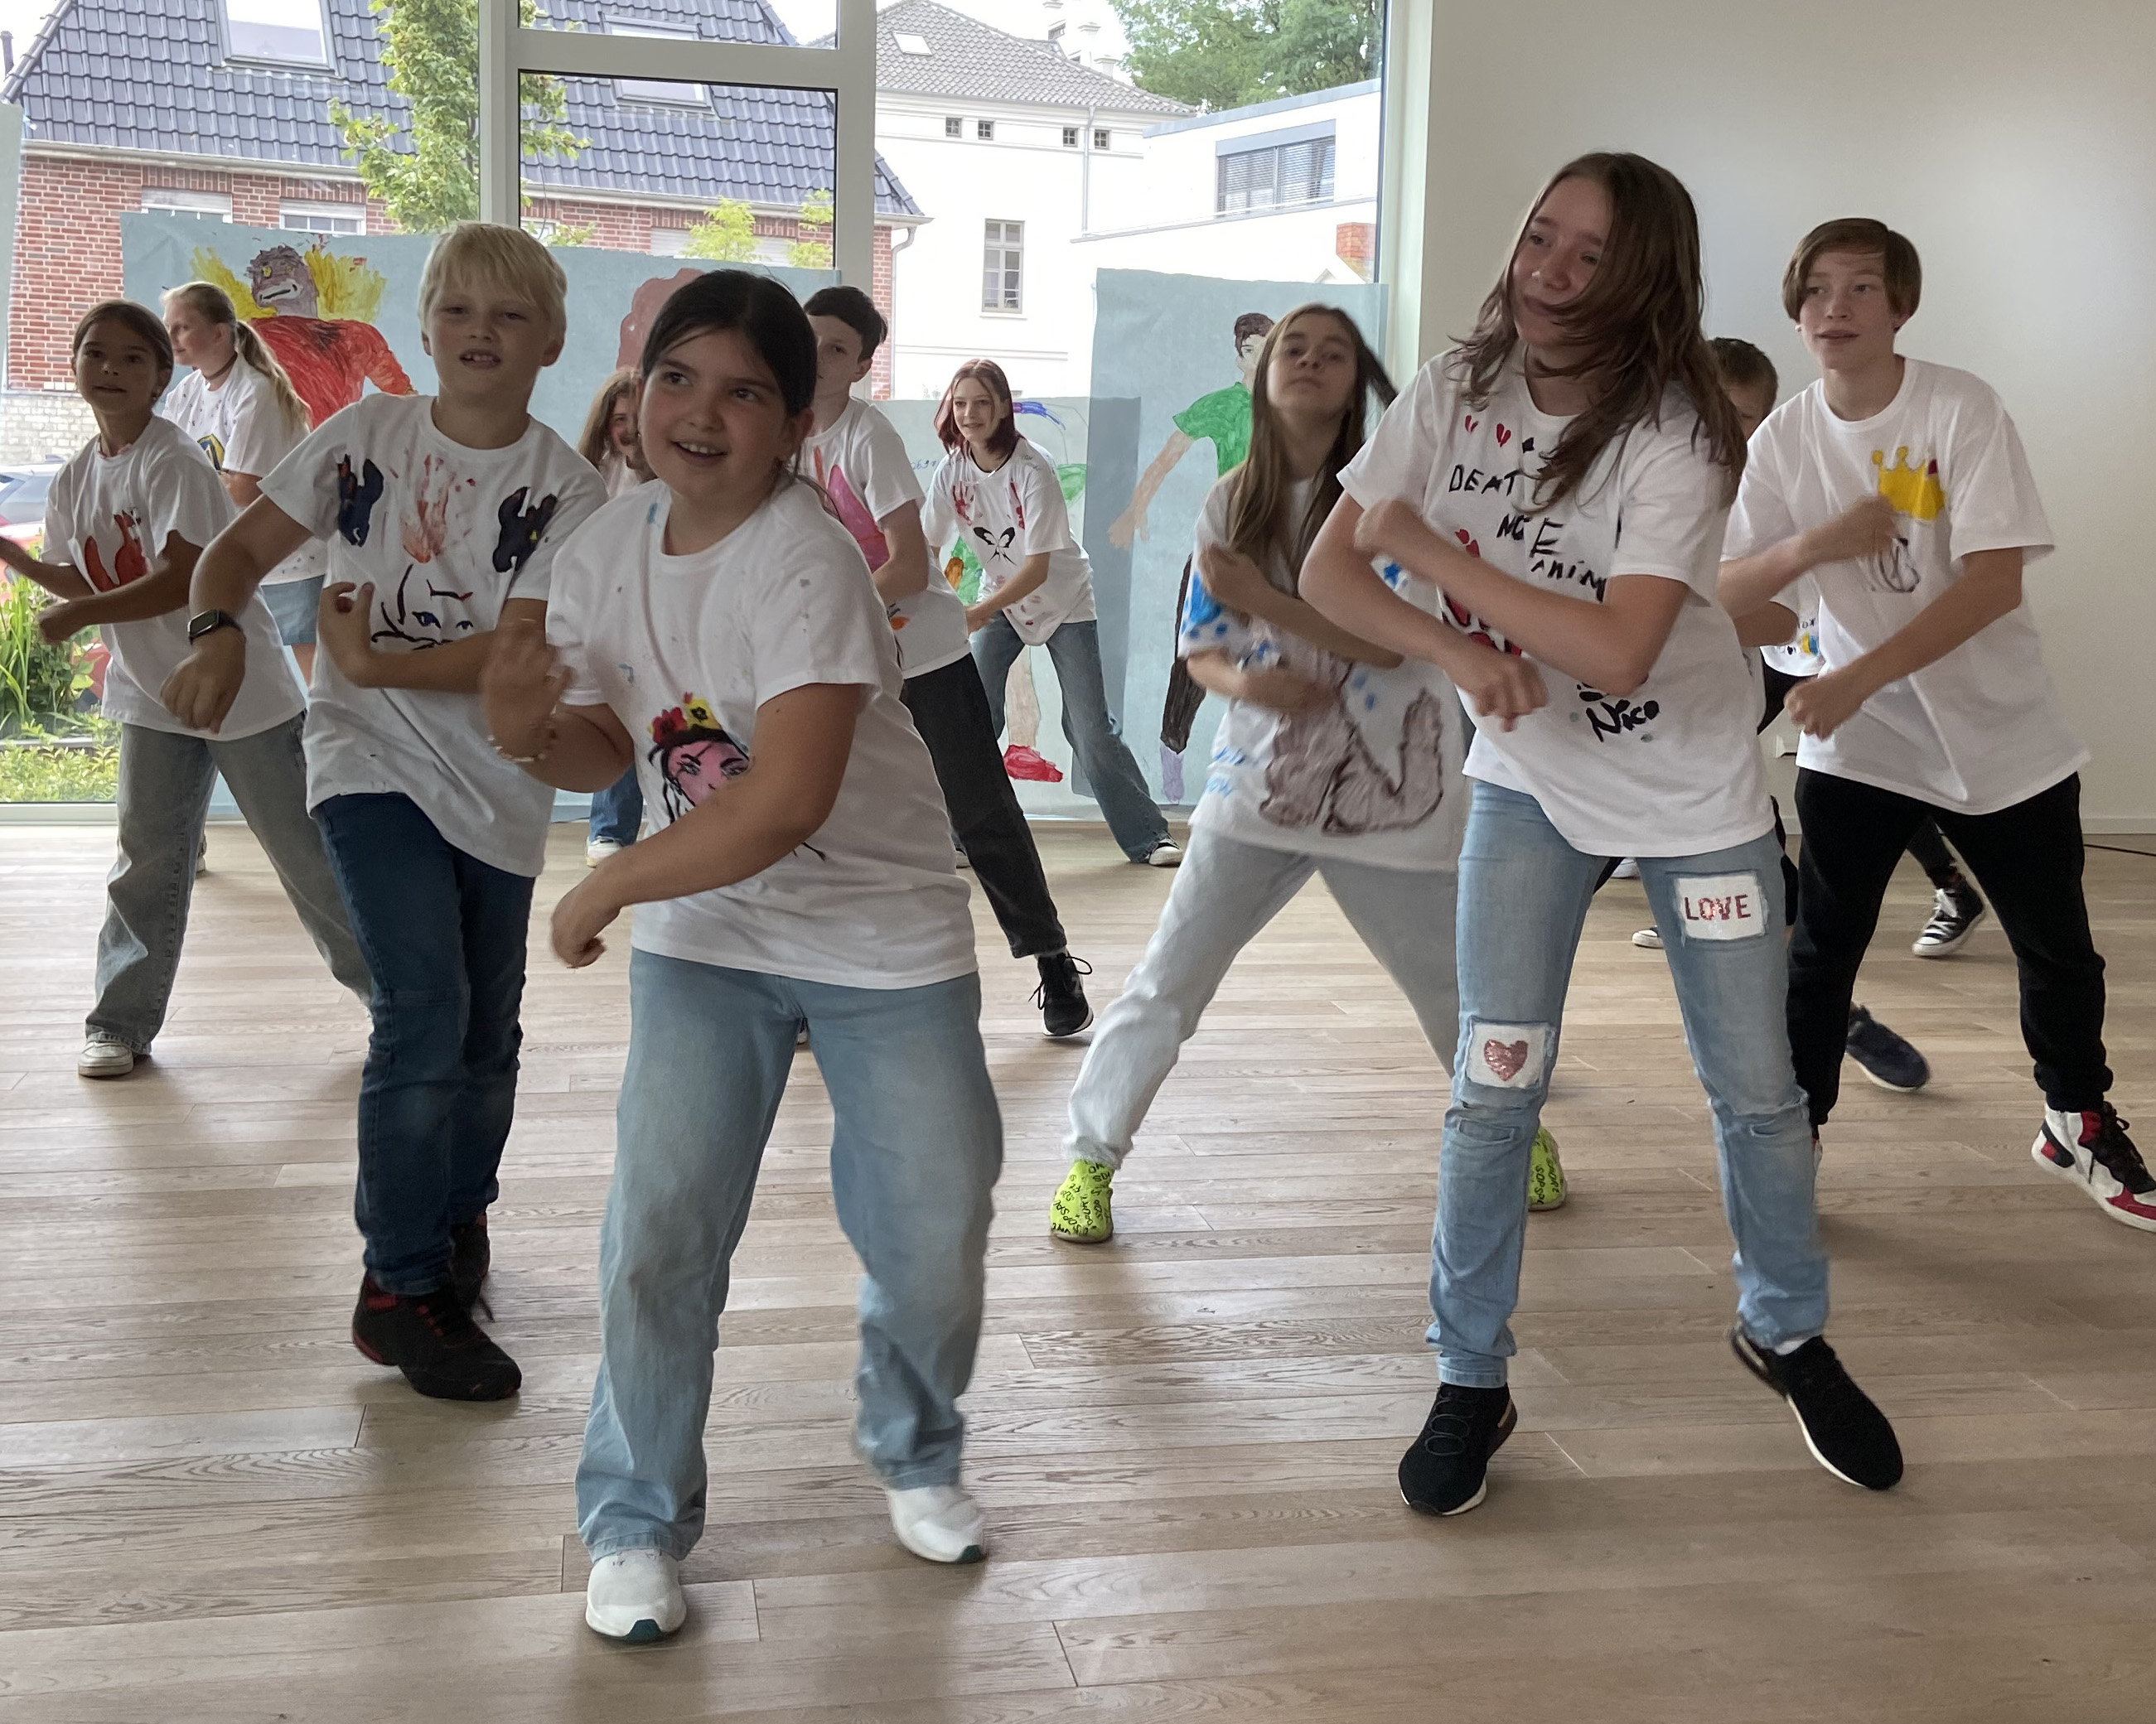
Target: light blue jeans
column 916, row 1147
column 1134, row 819
column 1523, row 898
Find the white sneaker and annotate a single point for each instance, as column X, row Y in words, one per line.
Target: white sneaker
column 1649, row 938
column 2092, row 1149
column 103, row 1057
column 1165, row 854
column 1627, row 869
column 635, row 1596
column 939, row 1522
column 599, row 849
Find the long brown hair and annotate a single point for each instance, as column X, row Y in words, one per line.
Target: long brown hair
column 213, row 305
column 988, row 373
column 1257, row 505
column 1638, row 321
column 596, row 443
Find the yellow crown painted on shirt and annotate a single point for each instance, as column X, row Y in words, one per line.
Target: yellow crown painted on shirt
column 1915, row 495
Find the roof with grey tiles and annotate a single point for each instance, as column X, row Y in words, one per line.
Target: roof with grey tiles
column 968, row 58
column 155, row 76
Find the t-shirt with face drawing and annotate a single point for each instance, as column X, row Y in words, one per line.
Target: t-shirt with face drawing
column 1224, row 417
column 242, row 430
column 860, row 461
column 687, row 651
column 1006, row 517
column 1671, row 769
column 1372, row 776
column 1981, row 728
column 110, row 516
column 446, row 535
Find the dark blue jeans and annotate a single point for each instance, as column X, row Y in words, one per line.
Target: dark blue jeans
column 617, row 810
column 442, row 934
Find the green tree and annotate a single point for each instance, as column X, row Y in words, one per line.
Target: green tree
column 727, row 234
column 425, row 165
column 1223, row 54
column 811, row 248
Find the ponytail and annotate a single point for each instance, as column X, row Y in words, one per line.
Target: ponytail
column 213, row 304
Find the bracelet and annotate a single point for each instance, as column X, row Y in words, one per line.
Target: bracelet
column 546, row 748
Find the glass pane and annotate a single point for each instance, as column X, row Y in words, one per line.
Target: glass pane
column 286, row 30
column 808, row 23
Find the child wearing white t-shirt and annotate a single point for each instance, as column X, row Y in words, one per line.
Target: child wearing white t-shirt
column 860, row 460
column 443, row 514
column 1564, row 479
column 238, row 403
column 719, row 631
column 1334, row 757
column 1892, row 501
column 125, row 522
column 1004, row 499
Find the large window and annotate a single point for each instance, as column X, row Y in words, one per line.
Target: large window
column 1273, row 174
column 1002, row 267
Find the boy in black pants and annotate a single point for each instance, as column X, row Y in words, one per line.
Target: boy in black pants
column 1892, row 501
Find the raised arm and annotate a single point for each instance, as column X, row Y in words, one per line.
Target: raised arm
column 1131, row 522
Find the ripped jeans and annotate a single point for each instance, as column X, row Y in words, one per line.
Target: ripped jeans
column 1523, row 898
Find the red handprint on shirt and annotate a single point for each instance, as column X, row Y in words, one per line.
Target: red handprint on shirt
column 128, row 562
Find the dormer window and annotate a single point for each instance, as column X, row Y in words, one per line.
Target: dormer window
column 657, row 90
column 287, row 32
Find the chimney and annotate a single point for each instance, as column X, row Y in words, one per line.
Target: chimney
column 7, row 51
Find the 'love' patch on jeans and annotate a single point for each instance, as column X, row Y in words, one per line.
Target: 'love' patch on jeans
column 1720, row 907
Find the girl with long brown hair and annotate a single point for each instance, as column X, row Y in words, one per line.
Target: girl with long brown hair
column 1334, row 757
column 1562, row 479
column 610, row 442
column 238, row 403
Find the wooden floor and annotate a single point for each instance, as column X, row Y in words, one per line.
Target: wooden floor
column 211, row 1508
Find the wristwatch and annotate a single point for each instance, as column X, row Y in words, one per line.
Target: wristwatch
column 208, row 623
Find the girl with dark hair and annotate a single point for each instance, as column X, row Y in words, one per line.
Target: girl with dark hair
column 719, row 631
column 124, row 523
column 1004, row 498
column 1334, row 757
column 1562, row 480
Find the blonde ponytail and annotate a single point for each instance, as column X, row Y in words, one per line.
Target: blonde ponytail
column 213, row 304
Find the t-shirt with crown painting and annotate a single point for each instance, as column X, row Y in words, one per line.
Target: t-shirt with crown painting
column 1007, row 517
column 1981, row 728
column 110, row 516
column 861, row 463
column 687, row 650
column 446, row 535
column 1670, row 769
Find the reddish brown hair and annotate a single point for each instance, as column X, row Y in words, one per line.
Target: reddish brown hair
column 989, row 374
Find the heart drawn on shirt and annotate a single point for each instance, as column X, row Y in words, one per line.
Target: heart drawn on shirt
column 1504, row 435
column 1505, row 1059
column 1468, row 540
column 1470, row 421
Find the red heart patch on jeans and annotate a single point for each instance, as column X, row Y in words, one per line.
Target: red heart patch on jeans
column 1506, row 1059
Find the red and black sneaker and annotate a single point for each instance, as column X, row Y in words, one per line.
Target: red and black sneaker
column 2091, row 1149
column 432, row 1339
column 470, row 1259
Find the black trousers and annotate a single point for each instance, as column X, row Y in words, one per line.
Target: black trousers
column 950, row 709
column 2028, row 860
column 1179, row 711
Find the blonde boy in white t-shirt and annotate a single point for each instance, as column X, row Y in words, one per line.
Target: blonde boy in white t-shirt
column 1892, row 499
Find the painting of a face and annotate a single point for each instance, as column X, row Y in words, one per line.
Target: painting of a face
column 280, row 281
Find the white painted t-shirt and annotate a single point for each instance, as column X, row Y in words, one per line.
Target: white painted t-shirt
column 110, row 517
column 1671, row 770
column 862, row 465
column 1005, row 517
column 1981, row 728
column 1373, row 777
column 241, row 429
column 685, row 650
column 446, row 535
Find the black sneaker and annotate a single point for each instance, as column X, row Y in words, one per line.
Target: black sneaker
column 1847, row 1435
column 470, row 1259
column 1883, row 1056
column 1445, row 1472
column 432, row 1339
column 1061, row 997
column 1956, row 908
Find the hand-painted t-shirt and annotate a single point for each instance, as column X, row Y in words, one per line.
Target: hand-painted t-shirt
column 446, row 535
column 110, row 516
column 861, row 463
column 1374, row 776
column 1224, row 417
column 1981, row 728
column 1005, row 517
column 1671, row 769
column 242, row 430
column 686, row 650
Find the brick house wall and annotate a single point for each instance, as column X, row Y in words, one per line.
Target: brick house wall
column 67, row 241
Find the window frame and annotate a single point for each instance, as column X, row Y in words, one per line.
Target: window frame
column 954, row 125
column 998, row 250
column 322, row 208
column 984, row 131
column 326, row 64
column 217, row 207
column 1102, row 135
column 656, row 92
column 1070, row 137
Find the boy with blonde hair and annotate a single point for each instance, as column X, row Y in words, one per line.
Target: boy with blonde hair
column 442, row 514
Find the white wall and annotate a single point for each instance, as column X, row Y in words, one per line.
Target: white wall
column 2015, row 144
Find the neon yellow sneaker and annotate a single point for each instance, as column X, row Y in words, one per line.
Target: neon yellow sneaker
column 1080, row 1212
column 1545, row 1172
